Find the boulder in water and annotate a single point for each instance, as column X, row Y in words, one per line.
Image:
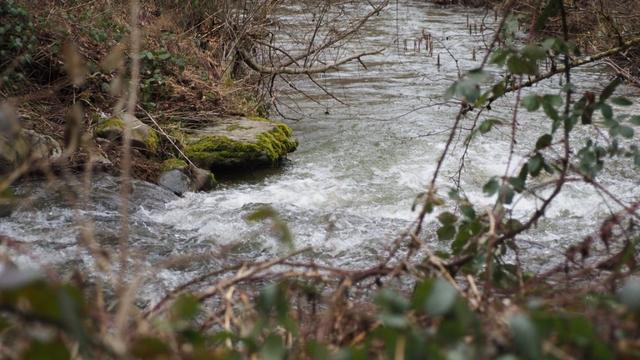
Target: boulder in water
column 175, row 180
column 180, row 178
column 239, row 142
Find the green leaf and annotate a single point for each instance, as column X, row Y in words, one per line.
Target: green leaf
column 150, row 348
column 525, row 336
column 441, row 298
column 273, row 348
column 531, row 102
column 39, row 350
column 446, row 232
column 550, row 111
column 621, row 101
column 491, row 187
column 543, row 141
column 498, row 89
column 280, row 227
column 606, row 111
column 186, row 307
column 553, row 100
column 499, row 57
column 447, row 218
column 635, row 120
column 534, row 165
column 468, row 212
column 517, row 183
column 486, row 125
column 534, row 52
column 521, row 66
column 609, row 89
column 393, row 309
column 625, row 131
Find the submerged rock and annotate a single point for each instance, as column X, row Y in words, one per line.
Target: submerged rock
column 176, row 181
column 180, row 178
column 142, row 135
column 235, row 142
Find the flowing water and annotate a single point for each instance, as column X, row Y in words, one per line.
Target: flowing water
column 349, row 188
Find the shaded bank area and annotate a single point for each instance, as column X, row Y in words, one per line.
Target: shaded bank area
column 65, row 77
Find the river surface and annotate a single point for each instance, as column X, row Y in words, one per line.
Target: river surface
column 348, row 189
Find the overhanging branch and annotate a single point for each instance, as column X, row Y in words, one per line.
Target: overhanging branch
column 301, row 70
column 561, row 69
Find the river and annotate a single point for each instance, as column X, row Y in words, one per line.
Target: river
column 348, row 189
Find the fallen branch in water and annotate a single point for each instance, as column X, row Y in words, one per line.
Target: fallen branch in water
column 623, row 73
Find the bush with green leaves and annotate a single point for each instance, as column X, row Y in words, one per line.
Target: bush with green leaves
column 17, row 41
column 470, row 301
column 156, row 68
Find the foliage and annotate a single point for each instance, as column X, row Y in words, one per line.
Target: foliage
column 17, row 41
column 156, row 67
column 473, row 300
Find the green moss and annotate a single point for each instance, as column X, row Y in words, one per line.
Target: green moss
column 220, row 150
column 259, row 118
column 109, row 125
column 172, row 164
column 236, row 127
column 152, row 141
column 217, row 150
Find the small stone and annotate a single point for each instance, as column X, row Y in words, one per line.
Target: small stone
column 42, row 146
column 142, row 135
column 176, row 181
column 101, row 162
column 203, row 180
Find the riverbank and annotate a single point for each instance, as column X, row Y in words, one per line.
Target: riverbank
column 66, row 84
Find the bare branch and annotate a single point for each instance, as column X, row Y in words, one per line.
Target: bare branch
column 301, row 70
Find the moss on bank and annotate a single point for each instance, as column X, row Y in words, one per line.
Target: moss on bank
column 141, row 134
column 173, row 164
column 152, row 141
column 105, row 128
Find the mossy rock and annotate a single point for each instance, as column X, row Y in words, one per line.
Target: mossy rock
column 240, row 142
column 142, row 135
column 173, row 164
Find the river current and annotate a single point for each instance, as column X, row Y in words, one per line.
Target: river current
column 348, row 189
